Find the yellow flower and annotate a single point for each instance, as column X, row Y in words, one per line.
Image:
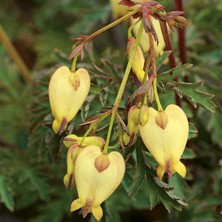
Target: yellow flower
column 165, row 136
column 67, row 92
column 144, row 41
column 97, row 176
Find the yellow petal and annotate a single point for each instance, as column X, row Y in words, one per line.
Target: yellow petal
column 144, row 42
column 67, row 92
column 92, row 184
column 76, row 204
column 180, row 168
column 89, row 140
column 138, row 62
column 167, row 143
column 72, row 155
column 97, row 212
column 144, row 114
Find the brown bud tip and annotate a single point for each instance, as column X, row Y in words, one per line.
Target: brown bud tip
column 70, row 181
column 102, row 162
column 62, row 127
column 162, row 119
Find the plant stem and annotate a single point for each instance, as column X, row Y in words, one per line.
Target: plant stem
column 122, row 88
column 169, row 46
column 15, row 55
column 73, row 68
column 181, row 38
column 159, row 106
column 103, row 29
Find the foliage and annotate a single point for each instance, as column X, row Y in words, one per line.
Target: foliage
column 32, row 158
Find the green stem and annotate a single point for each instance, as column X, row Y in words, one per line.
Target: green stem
column 87, row 133
column 131, row 27
column 73, row 68
column 159, row 106
column 15, row 55
column 122, row 88
column 116, row 22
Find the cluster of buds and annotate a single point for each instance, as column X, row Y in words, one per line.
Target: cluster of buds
column 96, row 174
column 136, row 117
column 121, row 10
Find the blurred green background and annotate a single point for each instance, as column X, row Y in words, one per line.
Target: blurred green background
column 32, row 159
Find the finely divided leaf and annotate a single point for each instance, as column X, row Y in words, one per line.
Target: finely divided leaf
column 191, row 92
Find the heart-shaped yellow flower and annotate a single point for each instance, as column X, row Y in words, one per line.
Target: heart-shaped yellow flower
column 97, row 176
column 165, row 136
column 67, row 92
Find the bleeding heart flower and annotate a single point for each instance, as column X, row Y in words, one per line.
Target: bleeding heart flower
column 165, row 136
column 97, row 176
column 67, row 92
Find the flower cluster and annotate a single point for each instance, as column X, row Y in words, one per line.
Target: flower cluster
column 95, row 173
column 91, row 169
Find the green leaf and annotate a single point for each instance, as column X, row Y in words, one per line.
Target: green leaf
column 139, row 175
column 189, row 154
column 173, row 73
column 193, row 94
column 160, row 59
column 214, row 126
column 180, row 186
column 159, row 190
column 6, row 196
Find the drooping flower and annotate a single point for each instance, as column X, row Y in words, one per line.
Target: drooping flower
column 165, row 136
column 67, row 92
column 75, row 146
column 97, row 176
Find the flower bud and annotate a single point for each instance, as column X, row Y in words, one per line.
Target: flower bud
column 67, row 92
column 165, row 136
column 144, row 114
column 138, row 61
column 89, row 140
column 97, row 176
column 144, row 41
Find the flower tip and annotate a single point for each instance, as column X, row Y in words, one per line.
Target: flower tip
column 97, row 212
column 180, row 169
column 160, row 171
column 59, row 127
column 75, row 205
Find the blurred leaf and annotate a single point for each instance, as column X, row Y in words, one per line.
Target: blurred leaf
column 5, row 194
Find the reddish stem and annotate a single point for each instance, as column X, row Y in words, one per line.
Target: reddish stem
column 169, row 46
column 181, row 38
